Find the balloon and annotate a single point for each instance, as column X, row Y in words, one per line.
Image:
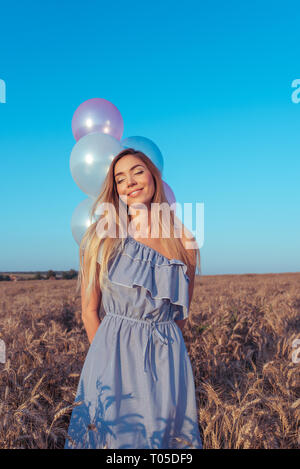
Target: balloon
column 81, row 219
column 169, row 193
column 97, row 115
column 90, row 160
column 146, row 146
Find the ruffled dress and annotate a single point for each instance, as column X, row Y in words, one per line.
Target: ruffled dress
column 136, row 389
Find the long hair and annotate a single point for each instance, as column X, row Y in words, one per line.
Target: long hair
column 93, row 240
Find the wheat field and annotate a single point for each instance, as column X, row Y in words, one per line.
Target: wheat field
column 239, row 338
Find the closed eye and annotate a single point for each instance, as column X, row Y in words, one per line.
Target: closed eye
column 121, row 180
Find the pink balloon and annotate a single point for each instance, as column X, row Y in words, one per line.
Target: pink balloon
column 97, row 115
column 169, row 193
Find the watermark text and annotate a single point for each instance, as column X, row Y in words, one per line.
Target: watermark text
column 2, row 91
column 296, row 94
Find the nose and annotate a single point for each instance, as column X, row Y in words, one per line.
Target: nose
column 131, row 181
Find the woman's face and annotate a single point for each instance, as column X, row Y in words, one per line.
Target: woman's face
column 131, row 174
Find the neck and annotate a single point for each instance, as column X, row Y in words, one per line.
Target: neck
column 140, row 223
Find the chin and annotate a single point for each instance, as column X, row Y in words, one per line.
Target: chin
column 139, row 199
column 137, row 202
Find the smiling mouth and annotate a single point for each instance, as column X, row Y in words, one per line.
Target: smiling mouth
column 137, row 191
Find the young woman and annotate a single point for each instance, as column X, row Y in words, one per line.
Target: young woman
column 136, row 389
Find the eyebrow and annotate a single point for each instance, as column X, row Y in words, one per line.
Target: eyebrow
column 130, row 169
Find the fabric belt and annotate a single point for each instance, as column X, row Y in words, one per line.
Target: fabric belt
column 153, row 329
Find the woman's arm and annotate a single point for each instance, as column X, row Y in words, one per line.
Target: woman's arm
column 191, row 274
column 89, row 314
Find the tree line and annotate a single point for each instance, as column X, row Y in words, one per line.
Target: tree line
column 65, row 275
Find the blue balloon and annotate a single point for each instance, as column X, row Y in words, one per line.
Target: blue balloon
column 146, row 146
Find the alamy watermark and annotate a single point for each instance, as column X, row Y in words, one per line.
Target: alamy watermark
column 296, row 353
column 2, row 351
column 139, row 225
column 296, row 94
column 2, row 91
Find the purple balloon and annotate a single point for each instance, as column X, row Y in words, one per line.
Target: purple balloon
column 97, row 115
column 169, row 193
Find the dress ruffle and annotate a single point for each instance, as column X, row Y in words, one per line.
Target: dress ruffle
column 167, row 278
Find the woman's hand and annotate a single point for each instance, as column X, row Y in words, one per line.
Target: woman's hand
column 181, row 323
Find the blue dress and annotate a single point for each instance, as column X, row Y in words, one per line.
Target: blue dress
column 136, row 389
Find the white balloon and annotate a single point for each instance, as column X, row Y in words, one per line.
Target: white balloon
column 90, row 160
column 81, row 219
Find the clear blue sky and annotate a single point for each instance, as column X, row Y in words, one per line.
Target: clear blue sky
column 208, row 82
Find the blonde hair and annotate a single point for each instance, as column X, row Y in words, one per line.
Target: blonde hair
column 92, row 272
